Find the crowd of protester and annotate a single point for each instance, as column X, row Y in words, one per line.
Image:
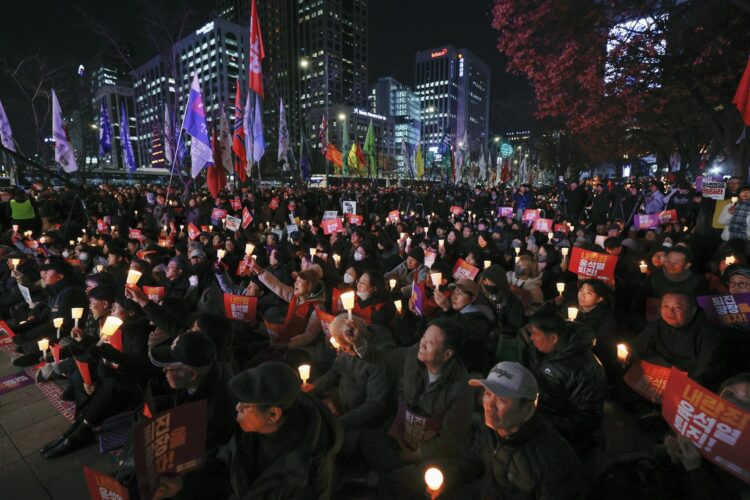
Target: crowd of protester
column 486, row 378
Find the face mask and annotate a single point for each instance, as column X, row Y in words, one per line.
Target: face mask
column 541, row 258
column 519, row 272
column 363, row 295
column 348, row 279
column 358, row 257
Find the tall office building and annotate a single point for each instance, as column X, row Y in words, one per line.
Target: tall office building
column 399, row 103
column 453, row 86
column 215, row 52
column 316, row 58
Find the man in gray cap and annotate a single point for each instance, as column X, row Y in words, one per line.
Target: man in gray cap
column 285, row 447
column 516, row 454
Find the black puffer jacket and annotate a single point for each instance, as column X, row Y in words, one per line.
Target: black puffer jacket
column 602, row 321
column 533, row 463
column 572, row 387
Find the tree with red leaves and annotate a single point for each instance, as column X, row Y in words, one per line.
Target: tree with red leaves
column 634, row 76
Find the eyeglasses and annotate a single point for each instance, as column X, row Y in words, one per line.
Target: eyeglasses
column 742, row 285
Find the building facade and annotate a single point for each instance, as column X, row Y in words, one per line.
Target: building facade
column 453, row 87
column 399, row 103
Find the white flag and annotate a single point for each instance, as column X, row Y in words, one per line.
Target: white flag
column 225, row 143
column 482, row 165
column 259, row 140
column 168, row 136
column 63, row 151
column 283, row 134
column 6, row 134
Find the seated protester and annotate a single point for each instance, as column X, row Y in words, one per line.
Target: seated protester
column 122, row 371
column 388, row 251
column 595, row 311
column 526, row 283
column 285, row 447
column 372, row 302
column 365, row 257
column 177, row 283
column 191, row 370
column 475, row 318
column 117, row 264
column 435, row 404
column 572, row 383
column 301, row 325
column 409, row 270
column 63, row 293
column 700, row 478
column 737, row 278
column 509, row 316
column 516, row 453
column 676, row 273
column 168, row 323
column 359, row 393
column 682, row 338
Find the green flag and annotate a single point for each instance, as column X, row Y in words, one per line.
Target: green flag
column 369, row 149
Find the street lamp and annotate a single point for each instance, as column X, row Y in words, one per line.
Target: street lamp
column 342, row 117
column 497, row 138
column 304, row 63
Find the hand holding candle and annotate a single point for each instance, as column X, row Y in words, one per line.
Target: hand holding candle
column 560, row 288
column 436, row 278
column 220, row 253
column 643, row 267
column 304, row 373
column 730, row 259
column 565, row 251
column 133, row 277
column 392, row 283
column 249, row 248
column 622, row 353
column 76, row 313
column 110, row 326
column 58, row 323
column 15, row 262
column 572, row 313
column 433, row 478
column 347, row 300
column 43, row 346
column 398, row 305
column 336, row 259
column 313, row 251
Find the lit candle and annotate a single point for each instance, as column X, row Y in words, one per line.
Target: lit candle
column 441, row 242
column 565, row 251
column 622, row 353
column 487, row 263
column 550, row 235
column 112, row 228
column 685, row 229
column 517, row 259
column 398, row 305
column 110, row 326
column 518, row 250
column 15, row 228
column 401, row 236
column 392, row 283
column 734, row 200
column 15, row 262
column 27, row 234
column 43, row 345
column 99, row 268
column 643, row 267
column 133, row 277
column 72, row 243
column 76, row 313
column 433, row 478
column 79, row 239
column 313, row 251
column 336, row 259
column 304, row 373
column 572, row 313
column 347, row 300
column 730, row 259
column 334, row 343
column 560, row 288
column 249, row 249
column 309, row 223
column 182, row 226
column 436, row 278
column 426, row 230
column 58, row 322
column 220, row 253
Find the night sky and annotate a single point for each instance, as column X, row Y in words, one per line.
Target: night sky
column 62, row 32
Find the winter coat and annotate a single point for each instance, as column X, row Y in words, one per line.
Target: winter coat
column 533, row 286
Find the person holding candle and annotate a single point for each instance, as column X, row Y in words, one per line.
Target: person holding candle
column 284, row 447
column 516, row 453
column 117, row 264
column 372, row 302
column 572, row 382
column 526, row 282
column 359, row 393
column 405, row 272
column 595, row 311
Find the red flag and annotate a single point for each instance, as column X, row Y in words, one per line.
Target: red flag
column 742, row 96
column 257, row 53
column 334, row 155
column 238, row 143
column 361, row 160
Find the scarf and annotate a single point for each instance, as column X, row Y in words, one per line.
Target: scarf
column 738, row 223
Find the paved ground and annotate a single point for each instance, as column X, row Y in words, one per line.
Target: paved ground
column 28, row 421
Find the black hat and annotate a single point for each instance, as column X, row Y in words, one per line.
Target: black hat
column 191, row 349
column 417, row 254
column 270, row 384
column 59, row 266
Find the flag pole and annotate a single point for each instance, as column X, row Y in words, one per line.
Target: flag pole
column 177, row 147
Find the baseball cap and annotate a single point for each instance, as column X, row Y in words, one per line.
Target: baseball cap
column 509, row 379
column 271, row 384
column 191, row 349
column 466, row 285
column 197, row 252
column 736, row 269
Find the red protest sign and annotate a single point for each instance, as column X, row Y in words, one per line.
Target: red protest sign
column 103, row 487
column 5, row 331
column 543, row 225
column 325, row 320
column 246, row 218
column 274, row 204
column 588, row 264
column 464, row 270
column 716, row 426
column 173, row 442
column 331, row 226
column 135, row 234
column 356, row 220
column 218, row 214
column 530, row 215
column 505, row 211
column 394, row 216
column 83, row 367
column 193, row 231
column 206, row 229
column 155, row 293
column 648, row 380
column 562, row 228
column 236, row 204
column 240, row 307
column 101, row 226
column 75, row 263
column 667, row 216
column 456, row 210
column 166, row 241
